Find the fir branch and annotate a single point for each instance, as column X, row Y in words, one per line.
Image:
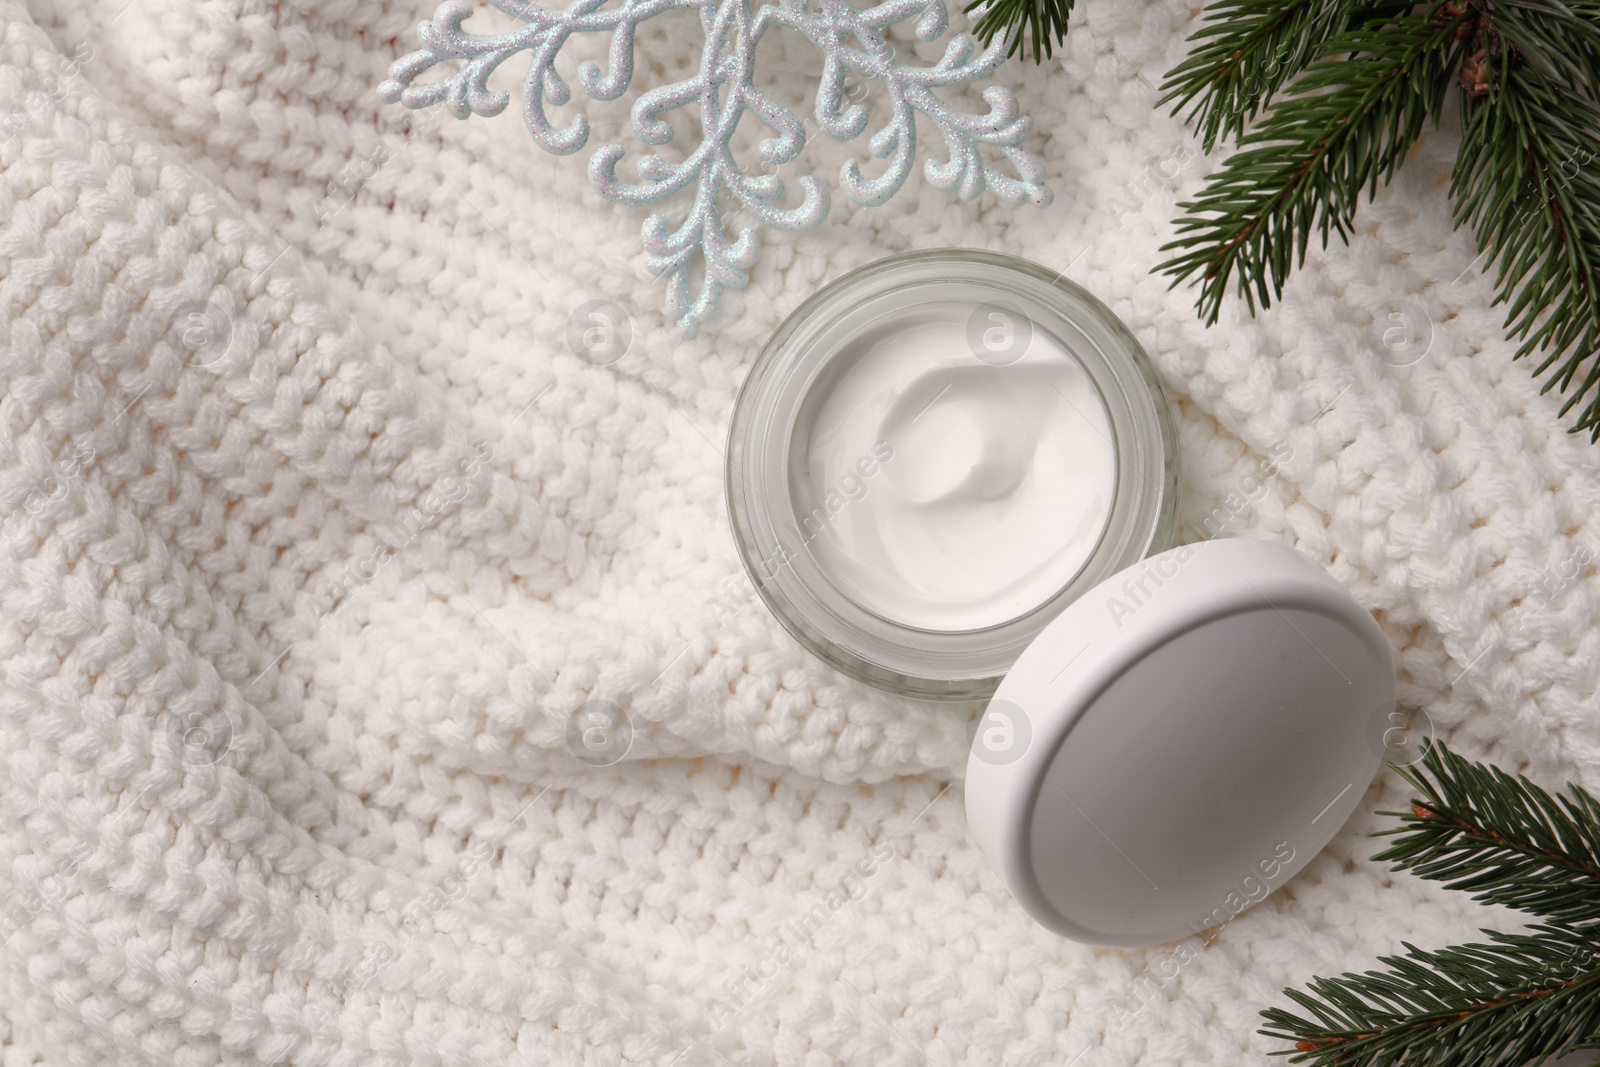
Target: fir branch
column 1338, row 92
column 1558, row 38
column 1502, row 838
column 1529, row 188
column 1042, row 22
column 1247, row 50
column 1343, row 127
column 1518, row 999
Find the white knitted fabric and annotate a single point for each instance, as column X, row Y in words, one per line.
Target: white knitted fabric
column 398, row 858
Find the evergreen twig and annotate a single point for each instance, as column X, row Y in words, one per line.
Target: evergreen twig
column 1342, row 129
column 1480, row 830
column 1326, row 97
column 1042, row 22
column 1529, row 186
column 1516, row 999
column 1247, row 50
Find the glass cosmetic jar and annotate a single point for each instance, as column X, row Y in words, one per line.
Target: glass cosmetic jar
column 951, row 475
column 934, row 455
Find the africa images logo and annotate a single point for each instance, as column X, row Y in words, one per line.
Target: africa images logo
column 1139, row 591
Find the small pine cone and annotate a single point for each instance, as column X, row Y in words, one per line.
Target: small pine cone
column 1475, row 74
column 1454, row 9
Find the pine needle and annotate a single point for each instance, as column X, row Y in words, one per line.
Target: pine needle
column 1042, row 22
column 1341, row 129
column 1326, row 97
column 1516, row 999
column 1502, row 838
column 1247, row 50
column 1527, row 182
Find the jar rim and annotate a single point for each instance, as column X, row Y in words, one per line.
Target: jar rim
column 891, row 655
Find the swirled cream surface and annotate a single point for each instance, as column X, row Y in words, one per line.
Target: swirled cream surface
column 946, row 491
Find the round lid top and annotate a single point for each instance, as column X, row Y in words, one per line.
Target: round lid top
column 1179, row 742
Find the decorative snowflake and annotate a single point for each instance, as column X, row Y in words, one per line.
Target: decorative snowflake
column 724, row 91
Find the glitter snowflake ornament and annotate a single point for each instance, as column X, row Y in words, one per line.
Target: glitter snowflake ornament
column 851, row 42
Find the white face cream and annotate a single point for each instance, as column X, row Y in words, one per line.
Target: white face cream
column 946, row 491
column 937, row 453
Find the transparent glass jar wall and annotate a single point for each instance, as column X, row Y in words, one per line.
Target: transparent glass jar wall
column 937, row 453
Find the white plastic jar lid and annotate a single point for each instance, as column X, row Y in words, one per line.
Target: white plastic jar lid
column 1179, row 742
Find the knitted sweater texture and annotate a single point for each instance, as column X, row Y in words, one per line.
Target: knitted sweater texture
column 295, row 611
